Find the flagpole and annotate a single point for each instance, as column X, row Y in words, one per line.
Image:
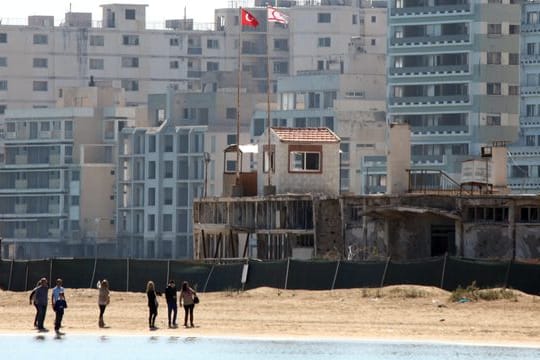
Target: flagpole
column 268, row 150
column 239, row 80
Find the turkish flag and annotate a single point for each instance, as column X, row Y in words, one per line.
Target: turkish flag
column 248, row 19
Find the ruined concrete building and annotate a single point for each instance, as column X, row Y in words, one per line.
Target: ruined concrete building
column 312, row 221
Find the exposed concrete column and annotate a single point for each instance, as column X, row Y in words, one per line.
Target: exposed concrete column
column 398, row 159
column 498, row 169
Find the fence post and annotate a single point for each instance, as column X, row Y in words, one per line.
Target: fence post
column 287, row 273
column 93, row 273
column 385, row 269
column 507, row 276
column 168, row 272
column 208, row 278
column 10, row 274
column 26, row 277
column 335, row 274
column 443, row 270
column 127, row 274
column 50, row 271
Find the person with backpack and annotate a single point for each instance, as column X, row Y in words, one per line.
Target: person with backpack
column 187, row 298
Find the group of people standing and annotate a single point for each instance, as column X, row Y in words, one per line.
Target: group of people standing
column 188, row 299
column 38, row 297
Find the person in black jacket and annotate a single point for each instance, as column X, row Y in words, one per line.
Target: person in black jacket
column 152, row 304
column 172, row 307
column 59, row 306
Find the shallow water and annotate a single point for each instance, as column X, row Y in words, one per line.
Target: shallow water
column 167, row 347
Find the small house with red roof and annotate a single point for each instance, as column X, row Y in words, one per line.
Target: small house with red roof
column 300, row 160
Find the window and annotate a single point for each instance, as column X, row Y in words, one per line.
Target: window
column 494, row 88
column 513, row 29
column 97, row 40
column 39, row 63
column 355, row 19
column 513, row 59
column 212, row 44
column 174, row 42
column 151, row 222
column 173, row 64
column 130, row 62
column 281, row 44
column 373, row 42
column 483, row 214
column 130, row 40
column 74, row 201
column 212, row 66
column 3, row 110
column 168, row 143
column 494, row 29
column 230, row 113
column 281, row 67
column 299, row 122
column 513, row 90
column 152, row 143
column 40, row 86
column 324, row 42
column 531, row 48
column 167, row 222
column 168, row 169
column 493, row 120
column 168, row 196
column 530, row 110
column 152, row 170
column 151, row 196
column 324, row 17
column 3, row 61
column 373, row 19
column 320, row 64
column 230, row 166
column 314, row 100
column 494, row 58
column 231, row 139
column 130, row 14
column 41, row 39
column 304, row 161
column 530, row 140
column 3, row 38
column 529, row 214
column 96, row 64
column 130, row 85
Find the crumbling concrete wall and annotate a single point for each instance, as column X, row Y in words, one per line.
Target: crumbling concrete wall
column 328, row 225
column 486, row 241
column 528, row 241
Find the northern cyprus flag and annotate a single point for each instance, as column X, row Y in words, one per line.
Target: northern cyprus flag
column 274, row 15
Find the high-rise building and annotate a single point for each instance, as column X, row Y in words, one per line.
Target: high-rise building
column 523, row 155
column 453, row 76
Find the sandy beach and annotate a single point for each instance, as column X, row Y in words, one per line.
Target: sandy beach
column 391, row 313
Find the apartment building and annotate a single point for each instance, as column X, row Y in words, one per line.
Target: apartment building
column 453, row 76
column 57, row 174
column 523, row 163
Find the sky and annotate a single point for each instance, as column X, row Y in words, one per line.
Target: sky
column 200, row 11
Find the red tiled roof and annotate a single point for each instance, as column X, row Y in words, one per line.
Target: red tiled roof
column 312, row 135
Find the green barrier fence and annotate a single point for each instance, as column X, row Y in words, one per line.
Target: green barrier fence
column 133, row 274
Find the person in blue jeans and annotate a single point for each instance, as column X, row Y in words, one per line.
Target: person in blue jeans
column 172, row 307
column 59, row 306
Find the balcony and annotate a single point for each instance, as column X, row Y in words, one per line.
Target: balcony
column 430, row 70
column 54, row 209
column 21, row 184
column 429, row 100
column 194, row 73
column 54, row 183
column 530, row 90
column 459, row 9
column 529, row 121
column 19, row 233
column 44, row 134
column 431, row 40
column 194, row 51
column 524, row 151
column 54, row 233
column 20, row 208
column 530, row 59
column 54, row 160
column 428, row 159
column 21, row 159
column 530, row 28
column 440, row 130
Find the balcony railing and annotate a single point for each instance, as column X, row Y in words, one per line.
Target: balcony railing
column 427, row 40
column 194, row 51
column 428, row 159
column 530, row 27
column 440, row 130
column 430, row 70
column 429, row 100
column 459, row 9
